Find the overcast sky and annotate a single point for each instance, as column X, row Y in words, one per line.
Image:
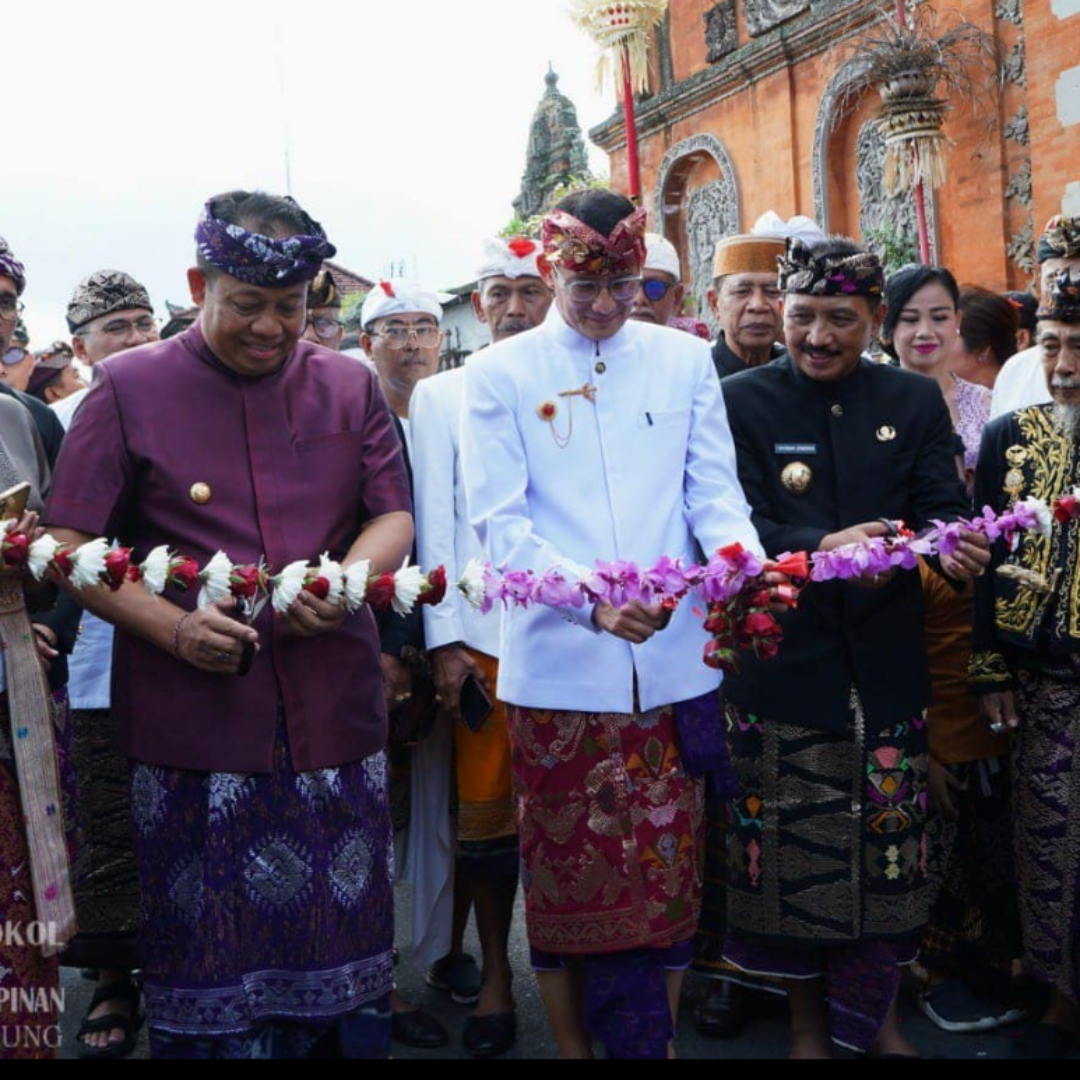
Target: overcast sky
column 408, row 123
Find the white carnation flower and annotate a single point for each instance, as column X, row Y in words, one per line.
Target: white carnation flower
column 42, row 553
column 1043, row 512
column 289, row 585
column 334, row 575
column 216, row 579
column 356, row 585
column 89, row 563
column 473, row 584
column 409, row 583
column 155, row 571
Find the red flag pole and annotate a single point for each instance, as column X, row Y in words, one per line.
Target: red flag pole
column 633, row 159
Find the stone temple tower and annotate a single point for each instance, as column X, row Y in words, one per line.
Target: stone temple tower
column 556, row 150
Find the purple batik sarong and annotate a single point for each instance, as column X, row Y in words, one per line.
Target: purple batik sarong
column 267, row 900
column 861, row 981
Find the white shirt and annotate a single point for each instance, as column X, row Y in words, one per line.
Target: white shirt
column 90, row 665
column 1021, row 384
column 647, row 471
column 67, row 407
column 445, row 535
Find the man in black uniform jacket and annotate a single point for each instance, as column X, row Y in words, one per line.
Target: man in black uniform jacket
column 828, row 885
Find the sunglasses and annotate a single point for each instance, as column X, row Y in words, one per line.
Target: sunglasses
column 14, row 356
column 656, row 290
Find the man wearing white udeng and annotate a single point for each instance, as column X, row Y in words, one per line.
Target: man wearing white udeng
column 594, row 437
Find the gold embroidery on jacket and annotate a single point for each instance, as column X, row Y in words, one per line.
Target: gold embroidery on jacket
column 1049, row 470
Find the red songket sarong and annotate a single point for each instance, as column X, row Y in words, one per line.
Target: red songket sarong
column 612, row 831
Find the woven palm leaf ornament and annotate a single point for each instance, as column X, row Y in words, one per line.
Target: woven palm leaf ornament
column 922, row 67
column 623, row 30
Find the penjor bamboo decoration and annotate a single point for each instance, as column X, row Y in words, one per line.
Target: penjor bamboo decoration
column 623, row 30
column 920, row 68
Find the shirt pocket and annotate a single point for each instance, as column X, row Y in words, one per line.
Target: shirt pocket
column 665, row 420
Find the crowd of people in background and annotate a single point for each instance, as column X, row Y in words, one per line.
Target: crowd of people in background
column 890, row 803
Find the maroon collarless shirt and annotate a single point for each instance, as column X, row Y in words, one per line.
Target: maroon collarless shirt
column 296, row 463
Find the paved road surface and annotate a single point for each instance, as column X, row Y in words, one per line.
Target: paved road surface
column 765, row 1039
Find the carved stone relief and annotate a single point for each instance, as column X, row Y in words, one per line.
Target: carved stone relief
column 721, row 31
column 763, row 15
column 1020, row 187
column 1018, row 128
column 1010, row 11
column 882, row 218
column 712, row 214
column 1022, row 248
column 1014, row 66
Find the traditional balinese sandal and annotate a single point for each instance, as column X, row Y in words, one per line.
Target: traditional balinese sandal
column 104, row 1025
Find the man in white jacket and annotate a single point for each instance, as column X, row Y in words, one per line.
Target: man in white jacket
column 594, row 437
column 511, row 298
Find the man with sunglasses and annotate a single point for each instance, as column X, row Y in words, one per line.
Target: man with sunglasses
column 661, row 294
column 598, row 437
column 12, row 286
column 324, row 326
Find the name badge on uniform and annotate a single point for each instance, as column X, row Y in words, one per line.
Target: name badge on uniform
column 796, row 449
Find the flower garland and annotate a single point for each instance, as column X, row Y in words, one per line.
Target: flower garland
column 733, row 582
column 99, row 564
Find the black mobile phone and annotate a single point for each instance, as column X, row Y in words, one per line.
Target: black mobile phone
column 476, row 706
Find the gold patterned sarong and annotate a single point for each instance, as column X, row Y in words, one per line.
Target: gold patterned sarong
column 34, row 748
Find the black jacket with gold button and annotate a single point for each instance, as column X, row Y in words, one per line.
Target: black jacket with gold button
column 1034, row 625
column 815, row 459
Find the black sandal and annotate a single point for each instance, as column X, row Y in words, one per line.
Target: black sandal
column 105, row 1025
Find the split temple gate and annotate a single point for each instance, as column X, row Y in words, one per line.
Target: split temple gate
column 745, row 114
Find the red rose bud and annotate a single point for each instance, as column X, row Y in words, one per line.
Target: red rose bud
column 245, row 581
column 732, row 552
column 64, row 563
column 319, row 588
column 1067, row 510
column 16, row 550
column 435, row 593
column 761, row 599
column 380, row 594
column 117, row 565
column 184, row 574
column 759, row 625
column 134, row 574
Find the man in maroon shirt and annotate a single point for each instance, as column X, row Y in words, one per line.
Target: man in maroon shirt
column 259, row 803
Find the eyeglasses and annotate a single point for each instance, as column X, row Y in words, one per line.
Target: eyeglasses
column 583, row 291
column 14, row 356
column 10, row 308
column 397, row 337
column 122, row 327
column 656, row 290
column 327, row 329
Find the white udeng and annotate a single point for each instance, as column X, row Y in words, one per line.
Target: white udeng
column 409, row 583
column 89, row 563
column 289, row 585
column 216, row 581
